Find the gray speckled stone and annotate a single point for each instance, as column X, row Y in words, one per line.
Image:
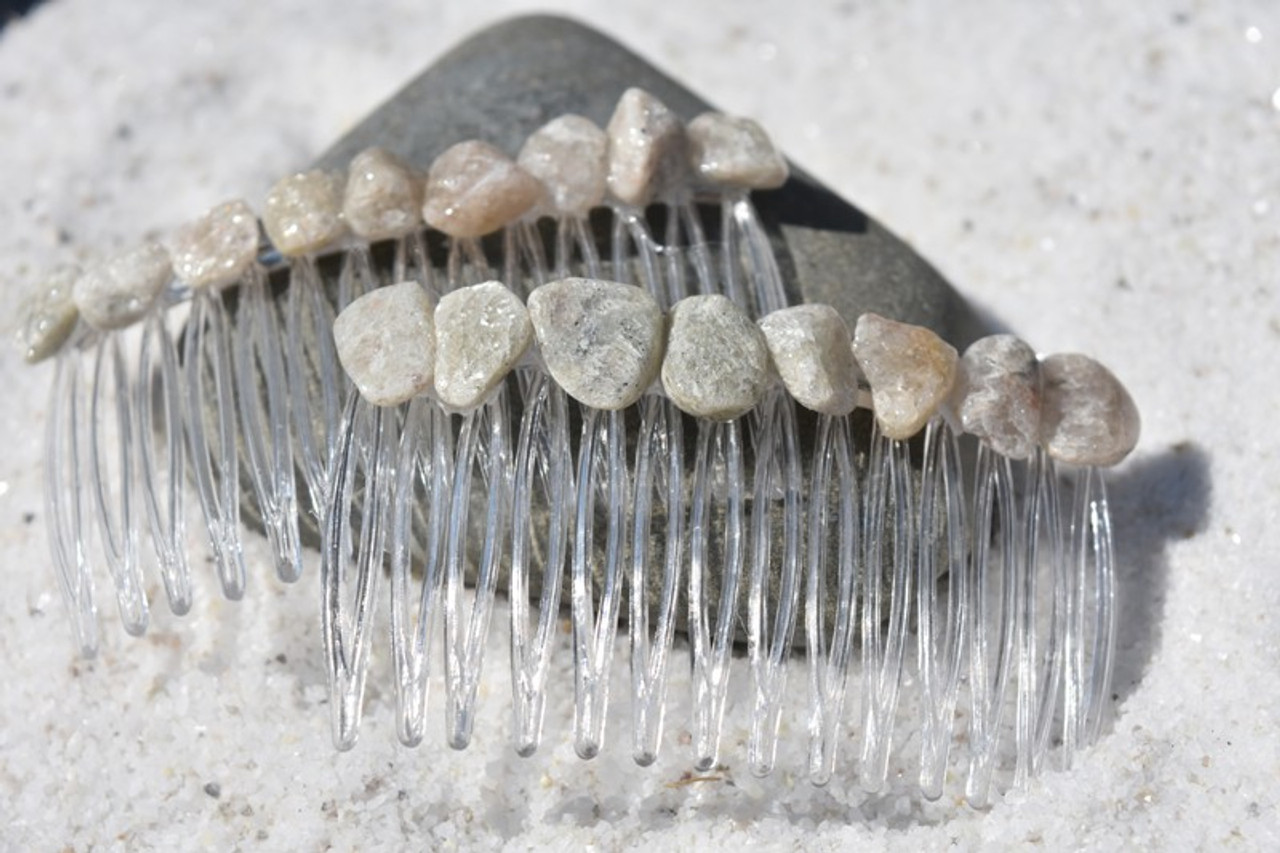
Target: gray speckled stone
column 51, row 315
column 717, row 361
column 600, row 340
column 1088, row 416
column 481, row 332
column 910, row 369
column 216, row 249
column 119, row 291
column 997, row 394
column 386, row 342
column 813, row 353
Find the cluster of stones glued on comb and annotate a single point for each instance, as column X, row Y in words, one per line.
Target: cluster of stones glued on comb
column 457, row 374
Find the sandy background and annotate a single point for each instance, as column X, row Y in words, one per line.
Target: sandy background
column 1102, row 178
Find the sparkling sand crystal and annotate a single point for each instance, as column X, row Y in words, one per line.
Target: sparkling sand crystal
column 570, row 155
column 646, row 148
column 602, row 341
column 51, row 315
column 481, row 332
column 910, row 370
column 383, row 198
column 386, row 343
column 735, row 152
column 303, row 212
column 119, row 291
column 216, row 249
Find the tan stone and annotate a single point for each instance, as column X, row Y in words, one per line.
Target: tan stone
column 51, row 315
column 717, row 361
column 474, row 189
column 570, row 156
column 735, row 152
column 386, row 343
column 383, row 198
column 910, row 370
column 997, row 395
column 303, row 212
column 481, row 333
column 813, row 354
column 646, row 149
column 1088, row 416
column 121, row 290
column 216, row 249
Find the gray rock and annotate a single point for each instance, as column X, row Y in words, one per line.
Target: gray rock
column 386, row 342
column 570, row 156
column 303, row 212
column 481, row 332
column 601, row 340
column 717, row 361
column 474, row 189
column 51, row 315
column 813, row 354
column 216, row 249
column 910, row 369
column 997, row 394
column 1088, row 416
column 383, row 198
column 121, row 290
column 731, row 151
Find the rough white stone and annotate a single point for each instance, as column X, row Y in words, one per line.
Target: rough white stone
column 601, row 340
column 474, row 189
column 383, row 198
column 735, row 152
column 303, row 212
column 910, row 369
column 812, row 351
column 51, row 315
column 997, row 394
column 386, row 343
column 120, row 291
column 1088, row 416
column 481, row 332
column 646, row 148
column 216, row 249
column 570, row 156
column 717, row 361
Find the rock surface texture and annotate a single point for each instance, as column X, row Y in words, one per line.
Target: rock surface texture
column 386, row 343
column 303, row 212
column 717, row 361
column 570, row 156
column 1089, row 418
column 119, row 292
column 734, row 152
column 383, row 197
column 474, row 189
column 910, row 370
column 997, row 394
column 481, row 332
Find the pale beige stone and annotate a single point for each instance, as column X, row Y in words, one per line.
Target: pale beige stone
column 570, row 156
column 1088, row 416
column 717, row 361
column 600, row 340
column 646, row 149
column 812, row 351
column 910, row 369
column 119, row 291
column 734, row 152
column 474, row 189
column 51, row 315
column 997, row 395
column 481, row 333
column 386, row 343
column 216, row 249
column 383, row 198
column 303, row 213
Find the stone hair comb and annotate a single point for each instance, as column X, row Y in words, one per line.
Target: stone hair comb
column 643, row 367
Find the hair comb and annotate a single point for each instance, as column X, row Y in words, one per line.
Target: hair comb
column 603, row 352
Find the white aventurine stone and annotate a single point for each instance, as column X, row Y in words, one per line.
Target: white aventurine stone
column 717, row 361
column 600, row 340
column 646, row 148
column 303, row 212
column 383, row 198
column 51, row 315
column 216, row 249
column 910, row 370
column 120, row 291
column 1088, row 416
column 735, row 152
column 481, row 332
column 474, row 189
column 813, row 353
column 386, row 343
column 997, row 394
column 570, row 155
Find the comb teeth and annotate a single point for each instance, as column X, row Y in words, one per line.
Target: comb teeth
column 994, row 576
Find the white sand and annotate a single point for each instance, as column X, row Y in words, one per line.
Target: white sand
column 1105, row 181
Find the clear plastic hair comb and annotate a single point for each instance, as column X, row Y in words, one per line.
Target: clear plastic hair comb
column 591, row 377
